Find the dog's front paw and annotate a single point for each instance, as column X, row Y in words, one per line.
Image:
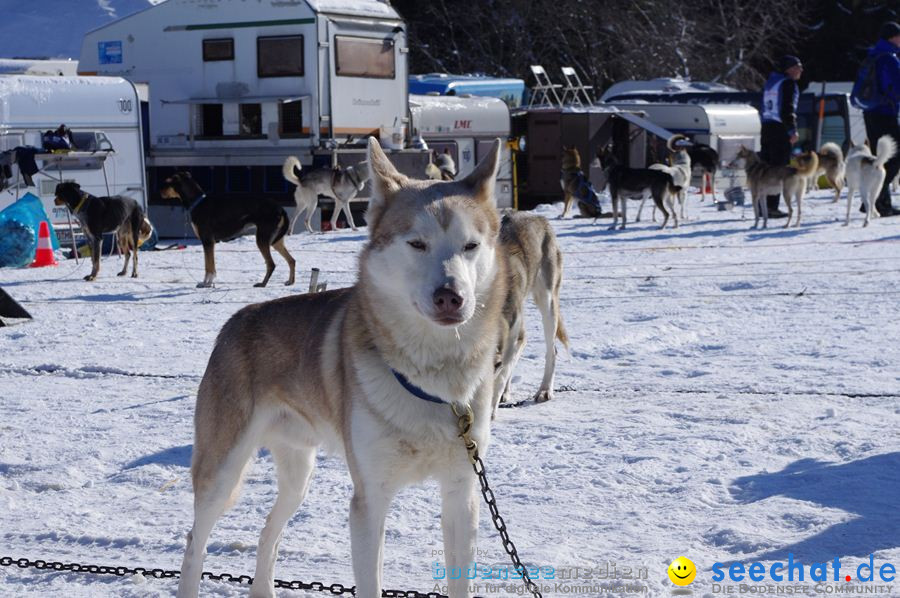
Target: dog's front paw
column 260, row 284
column 205, row 285
column 90, row 278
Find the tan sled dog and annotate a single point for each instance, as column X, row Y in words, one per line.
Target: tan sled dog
column 765, row 179
column 535, row 266
column 340, row 369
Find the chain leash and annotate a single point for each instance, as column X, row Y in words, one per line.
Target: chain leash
column 464, row 422
column 316, row 586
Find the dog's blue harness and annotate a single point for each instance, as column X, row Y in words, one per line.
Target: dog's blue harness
column 585, row 192
column 196, row 202
column 415, row 390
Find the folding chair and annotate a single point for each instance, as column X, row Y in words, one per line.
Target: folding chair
column 576, row 88
column 544, row 88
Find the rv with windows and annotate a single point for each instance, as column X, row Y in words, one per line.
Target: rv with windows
column 105, row 155
column 465, row 127
column 235, row 87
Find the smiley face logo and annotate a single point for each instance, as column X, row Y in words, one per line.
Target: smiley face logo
column 682, row 571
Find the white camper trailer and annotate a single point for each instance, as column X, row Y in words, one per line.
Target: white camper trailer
column 103, row 115
column 236, row 86
column 724, row 127
column 465, row 126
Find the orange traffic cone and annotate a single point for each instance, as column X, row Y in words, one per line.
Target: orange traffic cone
column 44, row 254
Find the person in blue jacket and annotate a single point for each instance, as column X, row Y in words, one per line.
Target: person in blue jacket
column 779, row 120
column 881, row 119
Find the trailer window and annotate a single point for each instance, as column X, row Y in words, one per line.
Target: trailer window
column 279, row 56
column 211, row 120
column 362, row 57
column 218, row 49
column 251, row 120
column 291, row 119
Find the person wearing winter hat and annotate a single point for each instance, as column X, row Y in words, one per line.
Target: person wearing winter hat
column 881, row 118
column 779, row 119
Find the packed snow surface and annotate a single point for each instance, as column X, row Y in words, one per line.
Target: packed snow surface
column 729, row 395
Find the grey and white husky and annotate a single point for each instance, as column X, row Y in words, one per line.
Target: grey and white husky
column 341, row 184
column 348, row 368
column 535, row 267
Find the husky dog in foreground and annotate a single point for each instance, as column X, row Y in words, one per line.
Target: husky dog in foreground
column 341, row 184
column 831, row 164
column 765, row 179
column 357, row 370
column 865, row 172
column 636, row 183
column 679, row 168
column 535, row 266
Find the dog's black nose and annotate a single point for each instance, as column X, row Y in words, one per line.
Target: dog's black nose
column 447, row 301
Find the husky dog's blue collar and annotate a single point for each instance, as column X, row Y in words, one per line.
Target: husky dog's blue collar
column 415, row 390
column 196, row 202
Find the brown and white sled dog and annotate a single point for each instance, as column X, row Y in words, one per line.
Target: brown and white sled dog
column 340, row 369
column 765, row 179
column 535, row 266
column 341, row 184
column 865, row 173
column 831, row 164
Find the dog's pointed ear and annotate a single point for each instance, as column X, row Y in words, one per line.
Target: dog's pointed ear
column 386, row 180
column 482, row 179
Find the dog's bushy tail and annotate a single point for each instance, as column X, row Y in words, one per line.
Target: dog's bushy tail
column 832, row 149
column 291, row 169
column 807, row 164
column 886, row 149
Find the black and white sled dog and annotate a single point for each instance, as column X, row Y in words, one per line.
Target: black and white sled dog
column 535, row 267
column 341, row 184
column 636, row 183
column 679, row 167
column 865, row 173
column 98, row 215
column 707, row 160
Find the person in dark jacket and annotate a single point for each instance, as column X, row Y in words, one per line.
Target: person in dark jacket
column 882, row 119
column 779, row 120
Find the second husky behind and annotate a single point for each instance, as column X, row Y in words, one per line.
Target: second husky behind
column 535, row 267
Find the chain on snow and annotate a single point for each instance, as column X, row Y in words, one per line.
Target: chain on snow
column 316, row 586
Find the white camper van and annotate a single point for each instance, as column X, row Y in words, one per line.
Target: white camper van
column 465, row 126
column 235, row 87
column 103, row 115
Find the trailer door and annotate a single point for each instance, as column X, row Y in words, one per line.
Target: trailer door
column 368, row 77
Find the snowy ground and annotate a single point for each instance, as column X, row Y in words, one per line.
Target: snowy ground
column 730, row 395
